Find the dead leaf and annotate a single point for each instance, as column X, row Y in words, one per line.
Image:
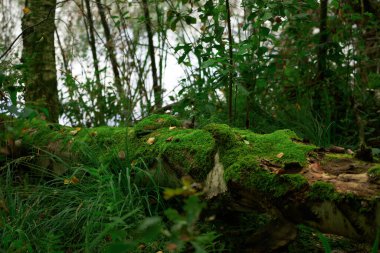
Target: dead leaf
column 169, row 139
column 121, row 155
column 171, row 246
column 18, row 143
column 72, row 180
column 93, row 134
column 26, row 10
column 74, row 132
column 151, row 140
column 160, row 120
column 246, row 142
column 280, row 155
column 172, row 127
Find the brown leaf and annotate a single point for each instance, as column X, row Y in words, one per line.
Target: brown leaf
column 280, row 155
column 169, row 139
column 26, row 10
column 121, row 155
column 171, row 246
column 160, row 120
column 151, row 140
column 93, row 134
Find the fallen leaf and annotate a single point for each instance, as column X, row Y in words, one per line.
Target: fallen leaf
column 280, row 155
column 74, row 132
column 160, row 120
column 72, row 180
column 26, row 10
column 151, row 140
column 169, row 139
column 18, row 143
column 171, row 246
column 246, row 142
column 172, row 127
column 93, row 134
column 121, row 155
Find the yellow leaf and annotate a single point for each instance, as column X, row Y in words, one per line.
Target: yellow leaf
column 172, row 127
column 74, row 132
column 151, row 140
column 170, row 193
column 280, row 155
column 26, row 10
column 72, row 180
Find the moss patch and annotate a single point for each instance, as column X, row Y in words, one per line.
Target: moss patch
column 321, row 191
column 242, row 152
column 188, row 150
column 154, row 122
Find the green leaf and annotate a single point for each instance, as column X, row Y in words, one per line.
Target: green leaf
column 267, row 15
column 264, row 31
column 173, row 215
column 190, row 20
column 150, row 229
column 193, row 207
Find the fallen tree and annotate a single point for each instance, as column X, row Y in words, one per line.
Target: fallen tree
column 275, row 180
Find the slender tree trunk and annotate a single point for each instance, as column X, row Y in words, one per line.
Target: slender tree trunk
column 110, row 45
column 231, row 63
column 99, row 113
column 38, row 57
column 157, row 89
column 323, row 36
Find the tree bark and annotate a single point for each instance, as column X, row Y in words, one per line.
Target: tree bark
column 99, row 114
column 110, row 46
column 231, row 62
column 157, row 89
column 38, row 57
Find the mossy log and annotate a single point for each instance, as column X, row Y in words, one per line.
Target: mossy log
column 275, row 180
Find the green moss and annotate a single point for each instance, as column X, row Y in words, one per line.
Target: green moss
column 189, row 150
column 374, row 171
column 374, row 174
column 323, row 191
column 333, row 156
column 154, row 122
column 268, row 146
column 246, row 151
column 223, row 134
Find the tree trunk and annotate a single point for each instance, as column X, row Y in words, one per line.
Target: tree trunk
column 231, row 62
column 110, row 46
column 157, row 89
column 99, row 113
column 38, row 57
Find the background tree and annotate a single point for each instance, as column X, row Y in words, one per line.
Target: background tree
column 38, row 57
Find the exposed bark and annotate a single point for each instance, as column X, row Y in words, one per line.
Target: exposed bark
column 38, row 57
column 157, row 89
